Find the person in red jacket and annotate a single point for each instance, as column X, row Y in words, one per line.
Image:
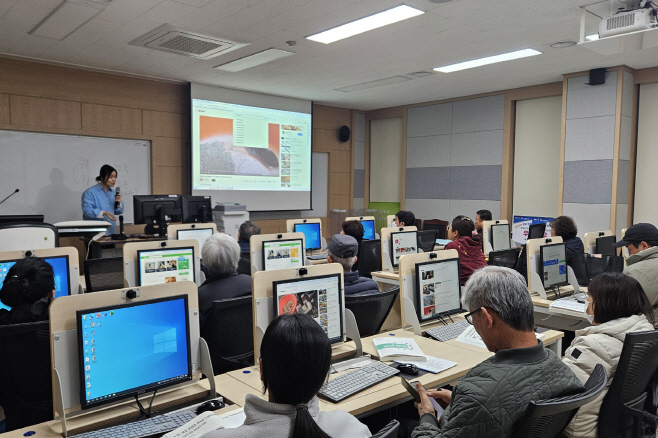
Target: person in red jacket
column 468, row 247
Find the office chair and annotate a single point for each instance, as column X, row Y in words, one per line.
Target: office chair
column 579, row 266
column 507, row 258
column 244, row 264
column 437, row 224
column 548, row 418
column 427, row 239
column 388, row 431
column 596, row 265
column 370, row 257
column 25, row 380
column 24, row 236
column 419, row 224
column 371, row 310
column 104, row 274
column 622, row 411
column 231, row 334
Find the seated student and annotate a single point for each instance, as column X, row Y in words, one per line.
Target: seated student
column 616, row 305
column 480, row 217
column 354, row 229
column 247, row 229
column 295, row 356
column 471, row 258
column 28, row 289
column 641, row 241
column 492, row 397
column 342, row 249
column 405, row 218
column 221, row 254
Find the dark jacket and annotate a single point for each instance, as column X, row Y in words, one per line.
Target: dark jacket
column 358, row 285
column 218, row 288
column 34, row 312
column 491, row 399
column 471, row 257
column 244, row 265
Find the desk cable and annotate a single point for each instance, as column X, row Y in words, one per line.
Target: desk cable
column 145, row 413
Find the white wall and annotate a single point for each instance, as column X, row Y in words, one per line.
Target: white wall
column 645, row 206
column 537, row 156
column 385, row 156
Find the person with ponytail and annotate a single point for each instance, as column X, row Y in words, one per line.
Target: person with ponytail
column 27, row 291
column 101, row 201
column 468, row 246
column 294, row 364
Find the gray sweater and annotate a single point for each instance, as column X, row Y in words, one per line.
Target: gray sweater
column 273, row 420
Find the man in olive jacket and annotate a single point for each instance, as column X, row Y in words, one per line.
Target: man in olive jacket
column 641, row 240
column 492, row 398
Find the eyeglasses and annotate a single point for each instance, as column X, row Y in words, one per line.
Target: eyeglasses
column 469, row 316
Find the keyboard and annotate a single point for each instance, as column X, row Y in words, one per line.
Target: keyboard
column 356, row 381
column 317, row 257
column 447, row 332
column 155, row 426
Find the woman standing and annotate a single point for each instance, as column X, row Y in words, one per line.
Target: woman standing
column 101, row 202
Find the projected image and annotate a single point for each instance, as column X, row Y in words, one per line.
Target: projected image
column 226, row 149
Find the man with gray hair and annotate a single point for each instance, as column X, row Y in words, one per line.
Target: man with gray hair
column 342, row 249
column 492, row 398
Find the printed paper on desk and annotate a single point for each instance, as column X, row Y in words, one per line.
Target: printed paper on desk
column 569, row 305
column 470, row 336
column 207, row 422
column 433, row 364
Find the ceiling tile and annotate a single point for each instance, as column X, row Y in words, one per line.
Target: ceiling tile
column 168, row 11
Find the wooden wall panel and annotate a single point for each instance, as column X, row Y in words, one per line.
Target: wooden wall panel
column 167, row 180
column 45, row 113
column 111, row 119
column 4, row 109
column 168, row 152
column 339, row 161
column 339, row 183
column 163, row 124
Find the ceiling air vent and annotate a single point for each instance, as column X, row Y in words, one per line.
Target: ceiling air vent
column 172, row 39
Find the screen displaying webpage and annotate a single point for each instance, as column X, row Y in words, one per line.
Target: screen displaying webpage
column 368, row 230
column 237, row 147
column 402, row 244
column 200, row 235
column 282, row 254
column 500, row 237
column 318, row 297
column 438, row 288
column 60, row 267
column 165, row 266
column 555, row 265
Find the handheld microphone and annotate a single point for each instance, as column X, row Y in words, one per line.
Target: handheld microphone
column 117, row 204
column 12, row 194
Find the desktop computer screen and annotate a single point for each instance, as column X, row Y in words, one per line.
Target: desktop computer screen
column 165, row 265
column 500, row 237
column 536, row 231
column 368, row 229
column 319, row 297
column 553, row 263
column 198, row 234
column 403, row 243
column 60, row 265
column 196, row 209
column 282, row 254
column 506, row 258
column 438, row 291
column 311, row 234
column 153, row 352
column 604, row 245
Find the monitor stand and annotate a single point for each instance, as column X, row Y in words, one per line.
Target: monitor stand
column 538, row 286
column 352, row 332
column 158, row 225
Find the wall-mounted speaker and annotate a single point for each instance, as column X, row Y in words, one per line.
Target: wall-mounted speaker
column 344, row 133
column 597, row 76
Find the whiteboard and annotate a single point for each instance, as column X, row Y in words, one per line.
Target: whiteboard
column 52, row 171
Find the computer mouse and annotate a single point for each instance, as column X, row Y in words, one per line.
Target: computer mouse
column 210, row 405
column 408, row 368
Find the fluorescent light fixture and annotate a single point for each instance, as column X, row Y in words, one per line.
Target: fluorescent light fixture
column 253, row 60
column 66, row 19
column 373, row 84
column 488, row 60
column 593, row 37
column 371, row 22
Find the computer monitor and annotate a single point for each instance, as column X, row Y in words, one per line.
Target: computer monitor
column 21, row 218
column 403, row 243
column 165, row 265
column 282, row 254
column 506, row 258
column 500, row 237
column 368, row 229
column 129, row 349
column 553, row 265
column 156, row 211
column 311, row 234
column 604, row 245
column 537, row 231
column 60, row 265
column 196, row 209
column 319, row 297
column 198, row 234
column 438, row 290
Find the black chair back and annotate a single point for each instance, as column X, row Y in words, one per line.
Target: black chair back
column 622, row 412
column 548, row 418
column 370, row 257
column 427, row 240
column 388, row 431
column 25, row 377
column 104, row 274
column 579, row 265
column 244, row 264
column 371, row 310
column 231, row 336
column 604, row 263
column 438, row 225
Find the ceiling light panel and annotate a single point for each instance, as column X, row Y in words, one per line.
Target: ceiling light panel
column 381, row 19
column 488, row 60
column 253, row 60
column 66, row 19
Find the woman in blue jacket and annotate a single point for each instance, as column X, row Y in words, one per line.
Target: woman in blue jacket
column 102, row 202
